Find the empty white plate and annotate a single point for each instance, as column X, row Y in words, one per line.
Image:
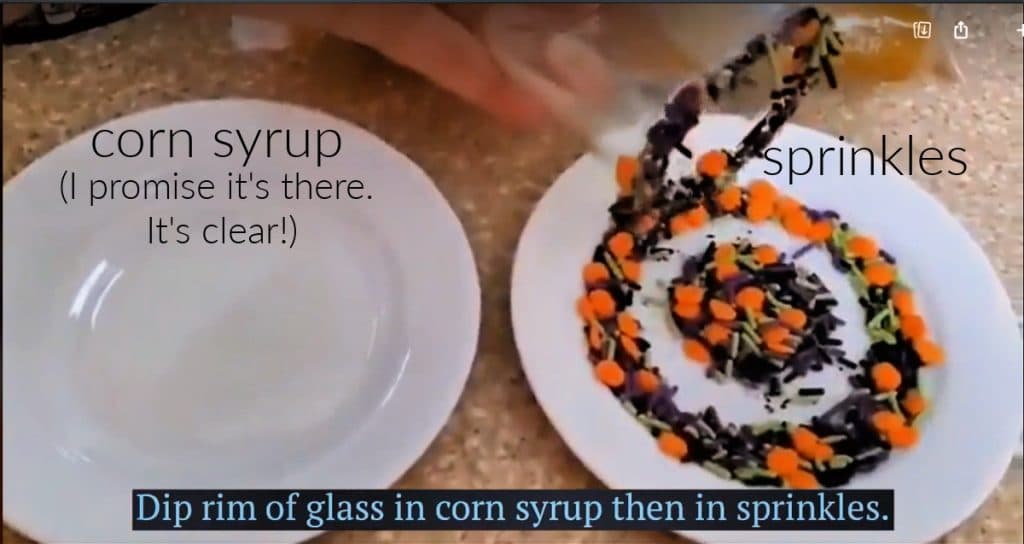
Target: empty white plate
column 328, row 363
column 969, row 436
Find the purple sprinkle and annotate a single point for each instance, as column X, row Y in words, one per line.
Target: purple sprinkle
column 629, row 387
column 803, row 251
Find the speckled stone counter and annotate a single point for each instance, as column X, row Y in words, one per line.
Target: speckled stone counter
column 498, row 437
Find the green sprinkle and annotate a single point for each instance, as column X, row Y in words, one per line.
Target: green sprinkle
column 747, row 260
column 869, row 453
column 613, row 265
column 609, row 347
column 717, row 469
column 776, row 302
column 734, row 345
column 767, row 426
column 652, row 422
column 751, row 343
column 876, row 321
column 840, row 461
column 631, row 409
column 833, row 438
column 879, row 335
column 746, row 473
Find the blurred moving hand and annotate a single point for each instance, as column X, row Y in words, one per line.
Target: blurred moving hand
column 440, row 42
column 524, row 63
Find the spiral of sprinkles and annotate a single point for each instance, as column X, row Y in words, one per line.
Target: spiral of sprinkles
column 746, row 311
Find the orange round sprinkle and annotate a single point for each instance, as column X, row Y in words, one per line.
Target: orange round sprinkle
column 804, row 441
column 759, row 210
column 672, row 445
column 822, row 453
column 730, row 198
column 879, row 274
column 725, row 271
column 721, row 310
column 862, row 247
column 629, row 346
column 762, row 189
column 647, row 381
column 678, row 224
column 712, row 164
column 913, row 327
column 595, row 337
column 902, row 437
column 602, row 303
column 725, row 253
column 689, row 294
column 646, row 223
column 750, row 298
column 801, row 479
column 797, row 223
column 774, row 334
column 779, row 347
column 903, row 301
column 695, row 350
column 884, row 420
column 886, row 377
column 621, row 244
column 785, row 205
column 914, row 403
column 820, row 231
column 717, row 334
column 929, row 352
column 687, row 311
column 782, row 461
column 585, row 309
column 632, row 270
column 793, row 318
column 766, row 255
column 696, row 217
column 628, row 325
column 626, row 169
column 595, row 273
column 610, row 373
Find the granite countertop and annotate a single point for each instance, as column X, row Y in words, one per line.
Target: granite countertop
column 498, row 437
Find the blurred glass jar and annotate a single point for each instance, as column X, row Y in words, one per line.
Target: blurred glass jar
column 607, row 74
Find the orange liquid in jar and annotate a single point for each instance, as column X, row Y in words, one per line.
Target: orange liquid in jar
column 879, row 42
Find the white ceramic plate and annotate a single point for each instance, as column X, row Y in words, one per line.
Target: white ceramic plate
column 968, row 438
column 330, row 364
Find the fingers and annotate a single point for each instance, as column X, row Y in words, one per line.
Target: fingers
column 423, row 38
column 556, row 62
column 580, row 68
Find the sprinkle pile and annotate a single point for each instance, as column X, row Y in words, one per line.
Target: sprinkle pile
column 742, row 308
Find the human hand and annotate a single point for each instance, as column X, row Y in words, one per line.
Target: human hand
column 439, row 42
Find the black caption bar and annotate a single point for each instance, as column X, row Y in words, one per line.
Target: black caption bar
column 541, row 510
